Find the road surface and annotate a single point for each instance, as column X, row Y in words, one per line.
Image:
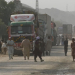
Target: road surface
column 56, row 64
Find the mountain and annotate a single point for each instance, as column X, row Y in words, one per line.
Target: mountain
column 65, row 17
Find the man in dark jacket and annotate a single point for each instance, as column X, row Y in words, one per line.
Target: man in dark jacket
column 37, row 51
column 66, row 46
column 42, row 45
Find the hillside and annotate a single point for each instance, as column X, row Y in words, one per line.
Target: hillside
column 58, row 15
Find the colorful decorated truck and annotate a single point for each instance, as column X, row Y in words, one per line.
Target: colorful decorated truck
column 21, row 26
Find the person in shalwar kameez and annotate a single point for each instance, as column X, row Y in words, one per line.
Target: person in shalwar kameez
column 26, row 45
column 10, row 48
column 49, row 45
column 73, row 48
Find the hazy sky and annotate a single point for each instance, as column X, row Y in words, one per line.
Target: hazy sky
column 59, row 4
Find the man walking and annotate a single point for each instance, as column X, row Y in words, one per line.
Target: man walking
column 48, row 45
column 42, row 43
column 62, row 40
column 26, row 48
column 66, row 46
column 4, row 48
column 10, row 47
column 58, row 40
column 37, row 51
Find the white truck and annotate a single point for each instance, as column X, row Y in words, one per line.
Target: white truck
column 67, row 31
column 60, row 30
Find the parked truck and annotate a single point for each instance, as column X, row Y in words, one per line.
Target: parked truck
column 21, row 26
column 67, row 31
column 49, row 28
column 46, row 24
column 60, row 30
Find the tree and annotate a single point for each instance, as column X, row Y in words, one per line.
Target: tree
column 2, row 7
column 6, row 9
column 2, row 28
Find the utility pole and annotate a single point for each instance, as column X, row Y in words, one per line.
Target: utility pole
column 74, row 7
column 37, row 12
column 37, row 6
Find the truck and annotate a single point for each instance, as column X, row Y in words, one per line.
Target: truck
column 47, row 25
column 26, row 25
column 21, row 26
column 60, row 30
column 49, row 28
column 67, row 31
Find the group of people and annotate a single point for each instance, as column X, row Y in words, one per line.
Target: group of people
column 38, row 50
column 26, row 47
column 60, row 40
column 40, row 46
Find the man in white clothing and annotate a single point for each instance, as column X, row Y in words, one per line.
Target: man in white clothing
column 48, row 45
column 4, row 48
column 10, row 46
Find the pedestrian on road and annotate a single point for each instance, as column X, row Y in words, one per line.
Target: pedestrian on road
column 58, row 40
column 62, row 40
column 42, row 44
column 4, row 48
column 10, row 48
column 26, row 45
column 66, row 46
column 48, row 45
column 37, row 51
column 73, row 48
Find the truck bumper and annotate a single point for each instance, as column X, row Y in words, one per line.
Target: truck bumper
column 18, row 51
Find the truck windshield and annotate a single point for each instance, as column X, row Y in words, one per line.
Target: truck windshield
column 21, row 30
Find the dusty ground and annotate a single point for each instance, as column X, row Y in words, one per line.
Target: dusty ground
column 56, row 64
